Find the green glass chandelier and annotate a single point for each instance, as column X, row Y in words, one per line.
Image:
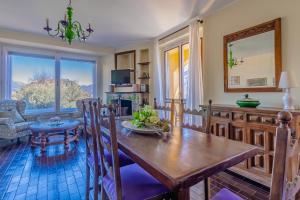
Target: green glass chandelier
column 69, row 30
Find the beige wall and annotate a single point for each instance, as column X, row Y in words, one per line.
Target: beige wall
column 241, row 15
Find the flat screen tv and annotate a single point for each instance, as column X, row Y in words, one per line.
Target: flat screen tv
column 120, row 77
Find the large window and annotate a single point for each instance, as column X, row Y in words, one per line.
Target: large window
column 176, row 69
column 76, row 82
column 34, row 79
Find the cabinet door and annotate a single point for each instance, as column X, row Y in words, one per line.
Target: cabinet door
column 220, row 129
column 262, row 137
column 238, row 133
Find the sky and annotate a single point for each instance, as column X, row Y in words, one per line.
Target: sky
column 24, row 67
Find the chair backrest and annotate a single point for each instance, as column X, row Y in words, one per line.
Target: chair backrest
column 110, row 145
column 196, row 119
column 86, row 101
column 167, row 111
column 285, row 177
column 90, row 133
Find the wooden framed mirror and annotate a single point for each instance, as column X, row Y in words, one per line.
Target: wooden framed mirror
column 252, row 59
column 126, row 60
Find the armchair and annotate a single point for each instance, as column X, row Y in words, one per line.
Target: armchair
column 11, row 128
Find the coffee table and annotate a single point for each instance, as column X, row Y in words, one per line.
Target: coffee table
column 42, row 131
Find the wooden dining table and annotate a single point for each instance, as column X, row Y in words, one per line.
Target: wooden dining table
column 184, row 157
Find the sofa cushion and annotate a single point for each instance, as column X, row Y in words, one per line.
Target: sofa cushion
column 7, row 114
column 18, row 117
column 22, row 126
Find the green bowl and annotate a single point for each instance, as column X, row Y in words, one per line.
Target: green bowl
column 248, row 104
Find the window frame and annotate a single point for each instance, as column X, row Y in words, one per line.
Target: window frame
column 37, row 52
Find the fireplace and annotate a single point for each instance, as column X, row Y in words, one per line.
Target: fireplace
column 129, row 101
column 125, row 106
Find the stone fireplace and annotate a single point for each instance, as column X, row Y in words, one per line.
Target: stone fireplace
column 129, row 102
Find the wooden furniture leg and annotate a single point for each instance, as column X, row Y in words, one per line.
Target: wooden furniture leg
column 32, row 139
column 43, row 141
column 183, row 194
column 206, row 189
column 76, row 135
column 66, row 140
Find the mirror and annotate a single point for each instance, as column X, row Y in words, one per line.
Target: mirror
column 126, row 60
column 252, row 59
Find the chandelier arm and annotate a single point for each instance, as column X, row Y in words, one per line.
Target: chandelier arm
column 83, row 32
column 56, row 31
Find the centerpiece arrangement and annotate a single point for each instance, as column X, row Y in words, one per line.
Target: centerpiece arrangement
column 147, row 121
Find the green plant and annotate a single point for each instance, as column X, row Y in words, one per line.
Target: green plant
column 148, row 117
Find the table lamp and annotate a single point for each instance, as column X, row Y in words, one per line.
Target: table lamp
column 287, row 81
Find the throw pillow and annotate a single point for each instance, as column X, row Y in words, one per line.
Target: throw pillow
column 18, row 117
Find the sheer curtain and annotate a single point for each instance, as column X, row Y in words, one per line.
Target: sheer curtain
column 195, row 82
column 158, row 78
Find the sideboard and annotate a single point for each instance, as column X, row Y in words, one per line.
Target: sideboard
column 256, row 126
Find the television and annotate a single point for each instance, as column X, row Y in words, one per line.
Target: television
column 120, row 77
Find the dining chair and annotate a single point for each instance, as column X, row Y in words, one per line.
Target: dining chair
column 285, row 182
column 129, row 182
column 198, row 120
column 167, row 111
column 92, row 150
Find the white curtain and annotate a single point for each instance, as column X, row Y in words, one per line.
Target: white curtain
column 158, row 78
column 195, row 82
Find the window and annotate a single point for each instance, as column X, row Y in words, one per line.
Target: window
column 76, row 82
column 33, row 78
column 176, row 69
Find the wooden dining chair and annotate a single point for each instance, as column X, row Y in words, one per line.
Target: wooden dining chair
column 196, row 119
column 130, row 182
column 285, row 184
column 92, row 139
column 92, row 156
column 167, row 111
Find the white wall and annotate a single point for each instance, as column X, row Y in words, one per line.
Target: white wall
column 238, row 16
column 106, row 64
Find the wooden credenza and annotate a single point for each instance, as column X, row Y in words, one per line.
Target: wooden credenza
column 256, row 126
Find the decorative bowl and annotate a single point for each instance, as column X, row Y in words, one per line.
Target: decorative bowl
column 147, row 130
column 248, row 102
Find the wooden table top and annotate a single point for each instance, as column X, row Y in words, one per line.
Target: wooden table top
column 184, row 158
column 48, row 126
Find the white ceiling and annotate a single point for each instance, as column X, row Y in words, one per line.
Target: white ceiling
column 116, row 22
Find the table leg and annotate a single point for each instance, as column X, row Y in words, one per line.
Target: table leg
column 206, row 188
column 66, row 140
column 43, row 142
column 183, row 194
column 32, row 139
column 76, row 135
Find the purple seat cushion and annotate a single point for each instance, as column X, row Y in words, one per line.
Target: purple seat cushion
column 136, row 183
column 124, row 159
column 226, row 194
